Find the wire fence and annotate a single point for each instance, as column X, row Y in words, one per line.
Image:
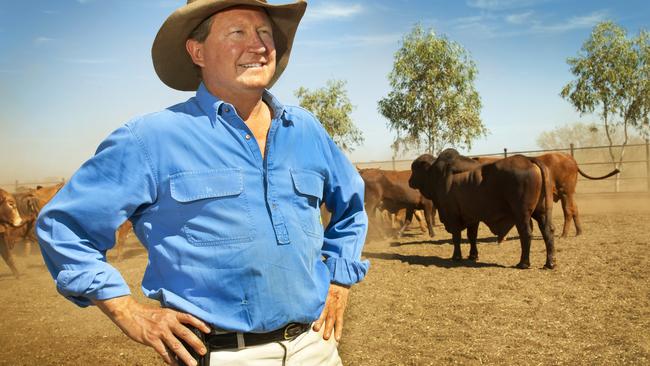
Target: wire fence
column 17, row 186
column 595, row 161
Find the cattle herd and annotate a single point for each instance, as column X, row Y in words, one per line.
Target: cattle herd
column 18, row 213
column 501, row 193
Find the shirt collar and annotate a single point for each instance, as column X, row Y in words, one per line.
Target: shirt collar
column 211, row 104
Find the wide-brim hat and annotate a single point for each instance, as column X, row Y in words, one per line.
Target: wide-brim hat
column 174, row 65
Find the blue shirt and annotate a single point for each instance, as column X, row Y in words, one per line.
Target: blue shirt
column 232, row 238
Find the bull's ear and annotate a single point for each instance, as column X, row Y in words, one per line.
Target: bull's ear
column 3, row 228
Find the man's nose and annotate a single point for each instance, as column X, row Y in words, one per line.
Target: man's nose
column 256, row 43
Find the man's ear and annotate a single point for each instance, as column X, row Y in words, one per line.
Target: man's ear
column 195, row 50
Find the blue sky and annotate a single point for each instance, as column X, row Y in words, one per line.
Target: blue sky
column 71, row 71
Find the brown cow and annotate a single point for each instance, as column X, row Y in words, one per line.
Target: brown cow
column 30, row 203
column 121, row 235
column 501, row 194
column 9, row 220
column 390, row 190
column 564, row 175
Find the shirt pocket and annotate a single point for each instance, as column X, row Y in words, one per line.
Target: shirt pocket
column 213, row 206
column 308, row 187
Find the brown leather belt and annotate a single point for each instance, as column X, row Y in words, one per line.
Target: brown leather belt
column 215, row 341
column 230, row 340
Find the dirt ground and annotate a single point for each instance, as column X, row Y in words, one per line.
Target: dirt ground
column 416, row 306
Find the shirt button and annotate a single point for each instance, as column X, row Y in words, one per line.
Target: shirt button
column 274, row 206
column 248, row 137
column 227, row 110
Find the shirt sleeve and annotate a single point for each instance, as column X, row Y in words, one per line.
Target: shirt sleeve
column 346, row 233
column 77, row 227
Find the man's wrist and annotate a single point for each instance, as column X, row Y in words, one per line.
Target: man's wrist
column 116, row 307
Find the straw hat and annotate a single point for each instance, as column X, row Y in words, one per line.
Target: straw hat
column 174, row 65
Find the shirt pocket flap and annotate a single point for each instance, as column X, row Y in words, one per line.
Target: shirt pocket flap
column 308, row 182
column 192, row 186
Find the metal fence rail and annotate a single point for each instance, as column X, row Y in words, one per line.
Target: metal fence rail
column 17, row 185
column 634, row 176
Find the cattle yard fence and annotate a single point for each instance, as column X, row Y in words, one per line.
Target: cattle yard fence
column 595, row 161
column 17, row 186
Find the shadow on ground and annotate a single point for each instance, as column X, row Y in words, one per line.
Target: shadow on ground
column 488, row 240
column 430, row 260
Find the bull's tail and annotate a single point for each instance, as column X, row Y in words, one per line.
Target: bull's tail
column 547, row 227
column 613, row 172
column 547, row 188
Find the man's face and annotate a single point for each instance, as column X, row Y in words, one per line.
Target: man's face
column 239, row 53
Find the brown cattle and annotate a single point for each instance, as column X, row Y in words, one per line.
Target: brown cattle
column 9, row 221
column 398, row 219
column 390, row 190
column 121, row 235
column 45, row 194
column 502, row 194
column 30, row 203
column 564, row 175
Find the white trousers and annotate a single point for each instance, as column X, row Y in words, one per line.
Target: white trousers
column 308, row 349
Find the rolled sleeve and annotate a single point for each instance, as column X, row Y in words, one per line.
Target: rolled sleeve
column 77, row 227
column 345, row 235
column 82, row 286
column 346, row 272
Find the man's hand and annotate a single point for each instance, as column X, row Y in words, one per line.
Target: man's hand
column 156, row 327
column 332, row 315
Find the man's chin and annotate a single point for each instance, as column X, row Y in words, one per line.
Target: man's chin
column 256, row 84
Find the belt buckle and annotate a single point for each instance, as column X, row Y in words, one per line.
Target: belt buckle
column 292, row 330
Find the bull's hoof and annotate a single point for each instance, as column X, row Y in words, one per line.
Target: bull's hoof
column 457, row 258
column 549, row 265
column 522, row 265
column 473, row 258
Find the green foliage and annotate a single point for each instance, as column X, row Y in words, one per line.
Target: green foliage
column 332, row 107
column 583, row 135
column 433, row 102
column 612, row 77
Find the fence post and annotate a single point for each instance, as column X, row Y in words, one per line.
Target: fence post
column 647, row 161
column 571, row 146
column 505, row 152
column 393, row 163
column 16, row 187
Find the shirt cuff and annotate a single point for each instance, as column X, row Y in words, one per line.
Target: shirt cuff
column 346, row 272
column 81, row 287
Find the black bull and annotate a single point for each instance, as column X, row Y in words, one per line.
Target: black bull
column 502, row 194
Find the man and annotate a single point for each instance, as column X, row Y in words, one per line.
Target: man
column 224, row 191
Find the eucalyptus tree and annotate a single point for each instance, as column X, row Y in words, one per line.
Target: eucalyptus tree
column 613, row 79
column 433, row 102
column 332, row 107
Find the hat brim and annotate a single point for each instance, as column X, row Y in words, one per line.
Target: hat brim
column 174, row 65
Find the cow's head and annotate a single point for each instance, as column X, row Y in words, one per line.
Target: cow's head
column 9, row 210
column 420, row 178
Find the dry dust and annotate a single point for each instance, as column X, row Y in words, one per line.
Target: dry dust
column 416, row 306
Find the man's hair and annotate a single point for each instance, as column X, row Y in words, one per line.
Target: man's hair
column 201, row 32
